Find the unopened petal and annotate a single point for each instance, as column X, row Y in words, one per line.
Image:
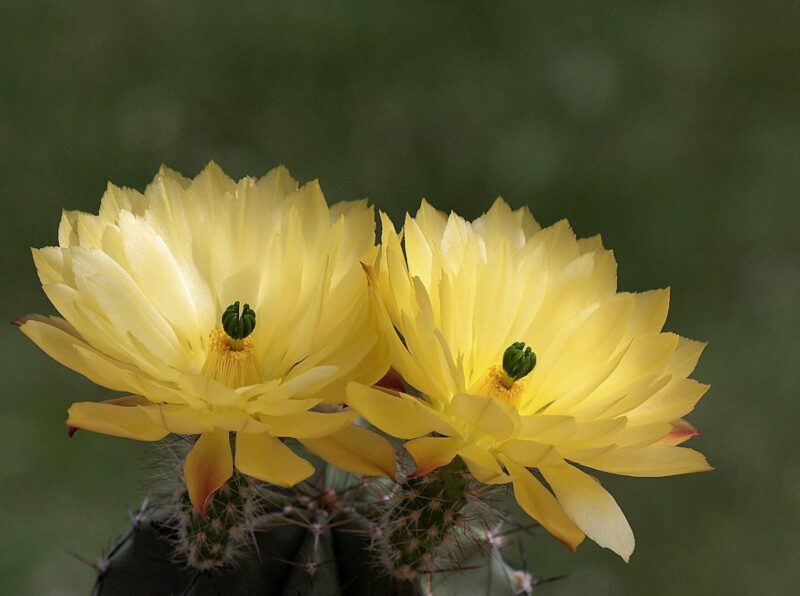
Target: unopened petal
column 207, row 467
column 430, row 453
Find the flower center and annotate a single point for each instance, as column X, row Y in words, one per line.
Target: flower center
column 505, row 384
column 518, row 362
column 495, row 384
column 231, row 360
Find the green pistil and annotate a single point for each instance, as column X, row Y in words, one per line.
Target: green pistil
column 238, row 326
column 518, row 360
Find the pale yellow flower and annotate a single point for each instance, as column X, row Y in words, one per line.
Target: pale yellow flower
column 142, row 288
column 607, row 391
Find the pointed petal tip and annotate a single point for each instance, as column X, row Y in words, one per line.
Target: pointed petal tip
column 207, row 467
column 421, row 471
column 20, row 321
column 203, row 509
column 684, row 432
column 705, row 466
column 201, row 505
column 681, row 432
column 572, row 546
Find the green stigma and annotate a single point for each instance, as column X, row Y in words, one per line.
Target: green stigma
column 518, row 360
column 238, row 327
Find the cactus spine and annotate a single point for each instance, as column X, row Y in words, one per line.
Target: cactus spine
column 216, row 540
column 333, row 535
column 417, row 520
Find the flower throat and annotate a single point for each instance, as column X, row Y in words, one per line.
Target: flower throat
column 230, row 359
column 505, row 384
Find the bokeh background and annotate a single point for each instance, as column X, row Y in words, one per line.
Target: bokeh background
column 672, row 128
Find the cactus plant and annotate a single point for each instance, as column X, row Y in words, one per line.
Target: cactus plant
column 141, row 288
column 419, row 518
column 336, row 534
column 255, row 539
column 291, row 558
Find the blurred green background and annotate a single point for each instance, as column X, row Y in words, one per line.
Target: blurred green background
column 673, row 129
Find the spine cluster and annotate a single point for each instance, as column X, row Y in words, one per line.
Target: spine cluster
column 221, row 537
column 216, row 540
column 424, row 522
column 369, row 536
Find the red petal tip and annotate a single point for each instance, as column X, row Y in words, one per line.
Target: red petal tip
column 392, row 380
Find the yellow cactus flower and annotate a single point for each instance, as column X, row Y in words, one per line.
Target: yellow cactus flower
column 522, row 355
column 219, row 306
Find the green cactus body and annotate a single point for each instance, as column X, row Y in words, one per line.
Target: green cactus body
column 333, row 536
column 216, row 540
column 416, row 527
column 285, row 560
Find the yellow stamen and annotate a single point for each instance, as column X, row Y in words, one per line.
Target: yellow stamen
column 495, row 383
column 231, row 361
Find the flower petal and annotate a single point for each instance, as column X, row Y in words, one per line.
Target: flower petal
column 432, row 452
column 396, row 416
column 264, row 457
column 234, row 420
column 59, row 341
column 650, row 462
column 305, row 384
column 677, row 399
column 109, row 289
column 686, row 356
column 281, row 407
column 308, row 425
column 592, row 508
column 110, row 418
column 129, row 401
column 485, row 414
column 356, row 449
column 530, row 453
column 439, row 422
column 207, row 467
column 681, row 432
column 650, row 311
column 483, row 465
column 172, row 285
column 548, row 429
column 537, row 502
column 181, row 420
